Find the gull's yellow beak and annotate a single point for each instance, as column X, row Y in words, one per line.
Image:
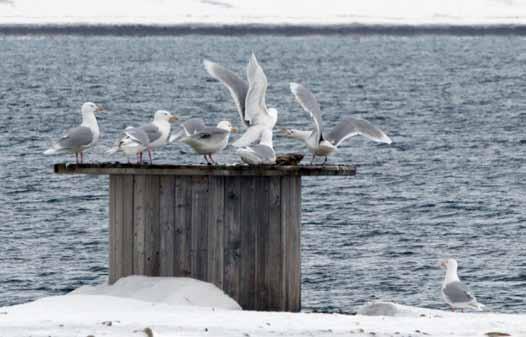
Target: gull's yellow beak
column 99, row 109
column 443, row 264
column 233, row 130
column 172, row 118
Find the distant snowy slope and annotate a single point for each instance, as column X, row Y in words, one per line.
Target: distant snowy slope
column 264, row 12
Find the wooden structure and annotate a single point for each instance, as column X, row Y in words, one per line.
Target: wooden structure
column 235, row 226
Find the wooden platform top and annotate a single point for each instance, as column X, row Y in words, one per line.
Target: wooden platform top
column 205, row 170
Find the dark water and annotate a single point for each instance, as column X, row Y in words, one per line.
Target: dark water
column 452, row 184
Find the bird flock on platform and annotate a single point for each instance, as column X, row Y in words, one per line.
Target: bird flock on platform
column 254, row 146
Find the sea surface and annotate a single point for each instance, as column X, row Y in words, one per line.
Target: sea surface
column 452, row 184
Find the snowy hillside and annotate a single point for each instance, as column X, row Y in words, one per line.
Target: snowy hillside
column 264, row 12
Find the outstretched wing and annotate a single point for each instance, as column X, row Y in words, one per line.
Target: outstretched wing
column 350, row 126
column 309, row 103
column 238, row 87
column 257, row 89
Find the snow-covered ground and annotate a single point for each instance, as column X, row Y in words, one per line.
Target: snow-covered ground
column 141, row 306
column 324, row 12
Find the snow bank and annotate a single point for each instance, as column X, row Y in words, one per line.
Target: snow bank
column 265, row 12
column 176, row 291
column 136, row 307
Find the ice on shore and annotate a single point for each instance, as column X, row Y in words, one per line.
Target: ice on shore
column 264, row 12
column 140, row 306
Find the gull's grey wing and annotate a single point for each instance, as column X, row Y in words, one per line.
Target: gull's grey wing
column 238, row 87
column 257, row 89
column 138, row 135
column 76, row 137
column 457, row 292
column 309, row 103
column 210, row 134
column 266, row 153
column 152, row 131
column 193, row 125
column 350, row 126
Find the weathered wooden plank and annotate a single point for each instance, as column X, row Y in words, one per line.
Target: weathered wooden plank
column 113, row 224
column 232, row 237
column 200, row 227
column 121, row 227
column 126, row 218
column 146, row 225
column 261, row 222
column 183, row 226
column 248, row 243
column 215, row 230
column 206, row 170
column 275, row 254
column 167, row 226
column 292, row 239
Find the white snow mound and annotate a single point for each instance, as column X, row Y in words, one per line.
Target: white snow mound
column 175, row 291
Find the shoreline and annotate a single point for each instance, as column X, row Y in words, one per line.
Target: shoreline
column 179, row 29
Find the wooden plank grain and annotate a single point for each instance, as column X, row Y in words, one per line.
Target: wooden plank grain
column 167, row 226
column 274, row 256
column 215, row 230
column 126, row 205
column 248, row 229
column 183, row 226
column 262, row 244
column 232, row 237
column 206, row 170
column 146, row 225
column 200, row 227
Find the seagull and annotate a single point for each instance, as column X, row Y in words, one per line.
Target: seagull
column 76, row 140
column 205, row 140
column 133, row 141
column 249, row 98
column 158, row 130
column 261, row 153
column 321, row 144
column 145, row 137
column 454, row 292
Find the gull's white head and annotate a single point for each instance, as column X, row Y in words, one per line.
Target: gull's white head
column 449, row 264
column 90, row 108
column 226, row 125
column 163, row 115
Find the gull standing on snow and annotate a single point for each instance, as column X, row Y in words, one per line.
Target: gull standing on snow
column 454, row 292
column 262, row 153
column 78, row 139
column 321, row 144
column 249, row 98
column 205, row 140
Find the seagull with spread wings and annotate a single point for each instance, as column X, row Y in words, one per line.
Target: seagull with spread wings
column 249, row 97
column 324, row 144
